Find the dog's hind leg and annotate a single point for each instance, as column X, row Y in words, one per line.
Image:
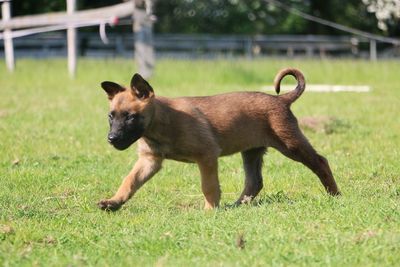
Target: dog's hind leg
column 252, row 163
column 209, row 182
column 297, row 147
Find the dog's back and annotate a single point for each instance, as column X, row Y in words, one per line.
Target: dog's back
column 236, row 121
column 239, row 121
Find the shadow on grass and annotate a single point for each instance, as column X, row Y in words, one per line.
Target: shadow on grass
column 269, row 199
column 279, row 197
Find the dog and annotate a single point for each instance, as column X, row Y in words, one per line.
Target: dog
column 202, row 129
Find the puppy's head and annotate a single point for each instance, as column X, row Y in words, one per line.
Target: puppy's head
column 131, row 111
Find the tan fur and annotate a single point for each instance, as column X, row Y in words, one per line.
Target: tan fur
column 201, row 129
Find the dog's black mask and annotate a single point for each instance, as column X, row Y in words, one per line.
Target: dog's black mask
column 125, row 129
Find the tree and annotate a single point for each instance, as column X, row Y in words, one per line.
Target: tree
column 248, row 16
column 387, row 12
column 351, row 13
column 260, row 16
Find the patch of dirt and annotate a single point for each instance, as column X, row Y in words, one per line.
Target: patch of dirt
column 6, row 230
column 240, row 242
column 323, row 124
column 3, row 113
column 365, row 236
column 49, row 240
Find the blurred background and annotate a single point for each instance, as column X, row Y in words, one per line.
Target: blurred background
column 199, row 29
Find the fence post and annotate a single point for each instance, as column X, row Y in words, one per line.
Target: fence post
column 71, row 40
column 372, row 50
column 143, row 31
column 248, row 47
column 8, row 42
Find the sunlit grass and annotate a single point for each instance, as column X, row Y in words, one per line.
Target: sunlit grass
column 55, row 165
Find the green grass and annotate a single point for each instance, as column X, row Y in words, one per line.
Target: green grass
column 56, row 130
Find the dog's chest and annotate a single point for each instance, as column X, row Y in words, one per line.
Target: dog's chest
column 163, row 150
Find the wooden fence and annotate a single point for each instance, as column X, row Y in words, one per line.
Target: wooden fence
column 192, row 46
column 142, row 42
column 24, row 26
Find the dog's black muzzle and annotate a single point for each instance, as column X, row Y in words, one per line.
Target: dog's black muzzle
column 122, row 142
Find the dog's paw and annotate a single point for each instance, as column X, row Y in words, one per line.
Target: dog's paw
column 109, row 205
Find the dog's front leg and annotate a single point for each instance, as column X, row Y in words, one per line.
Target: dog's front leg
column 209, row 182
column 142, row 171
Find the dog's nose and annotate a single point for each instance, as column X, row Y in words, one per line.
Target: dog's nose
column 112, row 137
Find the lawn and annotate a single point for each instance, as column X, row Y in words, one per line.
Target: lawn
column 56, row 164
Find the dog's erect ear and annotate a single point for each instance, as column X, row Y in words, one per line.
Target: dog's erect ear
column 140, row 87
column 111, row 88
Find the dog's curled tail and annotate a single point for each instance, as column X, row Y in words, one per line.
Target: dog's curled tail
column 296, row 93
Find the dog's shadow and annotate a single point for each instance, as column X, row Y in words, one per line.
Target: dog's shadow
column 269, row 199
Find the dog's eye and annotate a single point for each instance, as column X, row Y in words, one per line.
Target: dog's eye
column 110, row 116
column 131, row 116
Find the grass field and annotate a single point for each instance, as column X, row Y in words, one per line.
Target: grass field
column 56, row 164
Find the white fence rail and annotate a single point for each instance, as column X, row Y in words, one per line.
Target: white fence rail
column 71, row 20
column 62, row 18
column 121, row 44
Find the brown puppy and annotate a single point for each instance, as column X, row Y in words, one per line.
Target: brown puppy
column 201, row 129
